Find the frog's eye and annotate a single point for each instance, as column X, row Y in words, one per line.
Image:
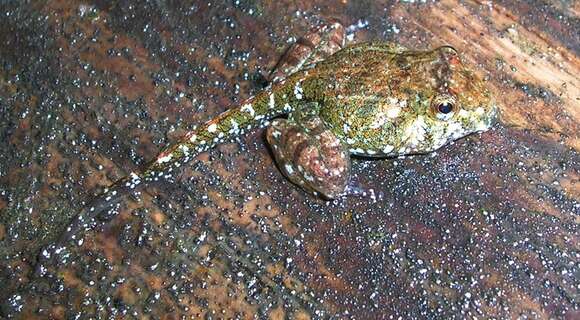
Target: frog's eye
column 444, row 107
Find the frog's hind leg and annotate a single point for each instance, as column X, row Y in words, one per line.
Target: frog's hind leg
column 321, row 42
column 309, row 154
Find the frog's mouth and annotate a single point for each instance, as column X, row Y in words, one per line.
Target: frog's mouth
column 426, row 135
column 467, row 122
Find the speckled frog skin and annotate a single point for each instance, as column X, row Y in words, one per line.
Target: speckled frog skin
column 368, row 99
column 375, row 100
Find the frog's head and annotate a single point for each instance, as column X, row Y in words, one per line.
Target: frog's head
column 452, row 103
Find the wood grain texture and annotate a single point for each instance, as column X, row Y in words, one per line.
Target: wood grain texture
column 486, row 227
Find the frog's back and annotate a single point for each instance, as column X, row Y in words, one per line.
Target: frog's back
column 364, row 53
column 360, row 61
column 375, row 69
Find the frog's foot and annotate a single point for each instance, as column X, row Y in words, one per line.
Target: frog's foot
column 320, row 43
column 310, row 155
column 355, row 189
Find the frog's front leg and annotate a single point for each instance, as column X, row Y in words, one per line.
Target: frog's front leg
column 309, row 154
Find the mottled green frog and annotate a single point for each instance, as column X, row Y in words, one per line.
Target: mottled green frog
column 367, row 99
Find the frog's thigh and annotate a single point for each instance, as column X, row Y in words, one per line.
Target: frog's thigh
column 321, row 42
column 310, row 155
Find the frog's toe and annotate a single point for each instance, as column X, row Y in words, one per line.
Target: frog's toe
column 312, row 159
column 356, row 189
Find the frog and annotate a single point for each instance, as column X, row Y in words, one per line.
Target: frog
column 376, row 100
column 328, row 101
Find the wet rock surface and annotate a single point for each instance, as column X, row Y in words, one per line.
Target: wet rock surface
column 485, row 227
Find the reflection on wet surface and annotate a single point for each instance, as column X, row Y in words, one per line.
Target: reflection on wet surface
column 486, row 227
